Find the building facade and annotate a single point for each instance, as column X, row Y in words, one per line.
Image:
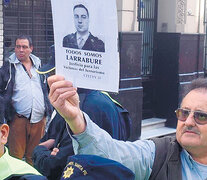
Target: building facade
column 162, row 48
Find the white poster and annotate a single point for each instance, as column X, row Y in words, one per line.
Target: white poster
column 86, row 43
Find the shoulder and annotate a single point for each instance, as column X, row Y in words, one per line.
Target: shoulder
column 36, row 60
column 166, row 147
column 9, row 60
column 167, row 153
column 4, row 70
column 17, row 166
column 164, row 144
column 95, row 39
column 99, row 100
column 164, row 141
column 5, row 65
column 100, row 108
column 70, row 37
column 96, row 43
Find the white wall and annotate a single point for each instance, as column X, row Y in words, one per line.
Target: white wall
column 127, row 15
column 195, row 16
column 185, row 16
column 166, row 16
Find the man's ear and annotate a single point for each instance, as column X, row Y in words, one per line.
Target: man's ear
column 31, row 47
column 4, row 128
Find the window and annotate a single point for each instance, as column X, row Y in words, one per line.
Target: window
column 30, row 17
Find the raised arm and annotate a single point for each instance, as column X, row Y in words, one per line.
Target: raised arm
column 64, row 97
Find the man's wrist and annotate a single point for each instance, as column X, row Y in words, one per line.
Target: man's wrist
column 78, row 125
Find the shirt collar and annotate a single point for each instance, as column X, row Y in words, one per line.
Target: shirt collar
column 188, row 158
column 17, row 61
column 5, row 152
column 85, row 37
column 35, row 61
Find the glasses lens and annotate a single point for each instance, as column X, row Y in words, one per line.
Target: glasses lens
column 200, row 117
column 182, row 114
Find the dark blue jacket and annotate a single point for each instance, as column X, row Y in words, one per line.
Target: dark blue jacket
column 7, row 80
column 26, row 177
column 100, row 109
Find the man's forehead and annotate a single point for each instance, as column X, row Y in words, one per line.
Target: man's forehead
column 22, row 41
column 80, row 10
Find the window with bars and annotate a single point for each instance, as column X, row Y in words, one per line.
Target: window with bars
column 147, row 24
column 30, row 17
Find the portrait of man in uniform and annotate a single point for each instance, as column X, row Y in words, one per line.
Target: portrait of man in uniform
column 82, row 38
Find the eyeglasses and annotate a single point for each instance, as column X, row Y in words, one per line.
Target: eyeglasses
column 23, row 47
column 199, row 117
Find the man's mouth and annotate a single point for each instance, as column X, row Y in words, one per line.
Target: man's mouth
column 191, row 132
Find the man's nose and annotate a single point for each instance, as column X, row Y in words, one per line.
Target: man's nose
column 80, row 20
column 190, row 121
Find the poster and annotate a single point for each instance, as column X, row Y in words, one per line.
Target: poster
column 86, row 43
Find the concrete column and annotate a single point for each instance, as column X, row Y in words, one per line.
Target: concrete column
column 194, row 16
column 127, row 15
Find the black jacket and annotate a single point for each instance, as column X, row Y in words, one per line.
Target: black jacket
column 167, row 163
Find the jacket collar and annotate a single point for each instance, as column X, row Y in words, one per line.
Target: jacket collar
column 35, row 60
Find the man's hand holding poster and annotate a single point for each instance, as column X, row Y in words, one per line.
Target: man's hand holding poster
column 86, row 43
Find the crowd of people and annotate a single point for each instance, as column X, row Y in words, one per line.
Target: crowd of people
column 86, row 134
column 26, row 110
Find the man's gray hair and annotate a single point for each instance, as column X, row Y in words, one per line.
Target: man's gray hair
column 199, row 83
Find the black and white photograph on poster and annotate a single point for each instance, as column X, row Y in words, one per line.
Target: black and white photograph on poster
column 86, row 43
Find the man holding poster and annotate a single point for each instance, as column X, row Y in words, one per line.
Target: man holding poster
column 82, row 38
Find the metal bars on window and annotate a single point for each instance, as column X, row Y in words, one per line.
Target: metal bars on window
column 30, row 17
column 146, row 19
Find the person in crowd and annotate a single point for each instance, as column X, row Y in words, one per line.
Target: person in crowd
column 10, row 167
column 50, row 156
column 82, row 38
column 183, row 156
column 26, row 98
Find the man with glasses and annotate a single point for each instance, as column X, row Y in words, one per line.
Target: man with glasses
column 181, row 157
column 26, row 98
column 82, row 38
